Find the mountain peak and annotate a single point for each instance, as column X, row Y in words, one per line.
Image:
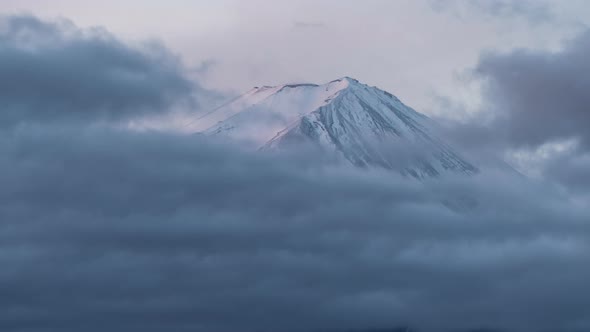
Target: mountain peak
column 362, row 124
column 341, row 82
column 346, row 79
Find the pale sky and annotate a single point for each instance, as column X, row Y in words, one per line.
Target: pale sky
column 415, row 49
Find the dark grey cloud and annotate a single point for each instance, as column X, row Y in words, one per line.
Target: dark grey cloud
column 205, row 67
column 122, row 231
column 534, row 11
column 538, row 96
column 55, row 71
column 533, row 100
column 570, row 168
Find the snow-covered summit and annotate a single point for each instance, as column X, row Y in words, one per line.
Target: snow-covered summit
column 257, row 115
column 367, row 126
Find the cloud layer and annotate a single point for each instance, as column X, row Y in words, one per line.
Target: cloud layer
column 54, row 71
column 163, row 232
column 541, row 96
column 535, row 111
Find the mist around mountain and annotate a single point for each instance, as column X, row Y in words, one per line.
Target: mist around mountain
column 107, row 224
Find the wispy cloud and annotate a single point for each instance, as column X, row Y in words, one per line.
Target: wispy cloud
column 533, row 11
column 308, row 25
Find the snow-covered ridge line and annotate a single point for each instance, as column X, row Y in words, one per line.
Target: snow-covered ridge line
column 365, row 125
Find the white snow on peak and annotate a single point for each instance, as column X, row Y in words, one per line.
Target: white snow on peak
column 259, row 114
column 362, row 124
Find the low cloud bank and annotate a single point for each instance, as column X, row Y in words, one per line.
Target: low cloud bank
column 126, row 231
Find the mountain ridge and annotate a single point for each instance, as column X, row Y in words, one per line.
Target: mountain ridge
column 365, row 125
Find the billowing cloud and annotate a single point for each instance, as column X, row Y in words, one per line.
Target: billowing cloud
column 535, row 110
column 55, row 71
column 540, row 97
column 127, row 231
column 569, row 166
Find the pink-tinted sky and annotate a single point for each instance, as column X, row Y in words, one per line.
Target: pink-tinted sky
column 418, row 50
